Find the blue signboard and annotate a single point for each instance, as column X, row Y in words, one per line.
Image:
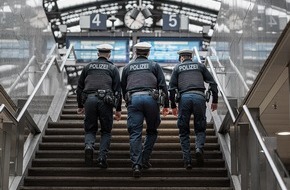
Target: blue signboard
column 85, row 48
column 164, row 50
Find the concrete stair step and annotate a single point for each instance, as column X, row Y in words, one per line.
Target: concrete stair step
column 127, row 172
column 59, row 161
column 119, row 154
column 124, row 188
column 119, row 138
column 120, row 146
column 116, row 163
column 129, row 181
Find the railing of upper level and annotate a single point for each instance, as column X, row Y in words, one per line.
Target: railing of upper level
column 251, row 163
column 20, row 132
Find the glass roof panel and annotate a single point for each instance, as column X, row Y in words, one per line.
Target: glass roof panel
column 70, row 3
column 209, row 4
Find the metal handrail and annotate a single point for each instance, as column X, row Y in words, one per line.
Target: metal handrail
column 8, row 113
column 70, row 49
column 233, row 66
column 267, row 154
column 32, row 60
column 215, row 54
column 53, row 60
column 53, row 48
column 235, row 120
column 239, row 74
column 221, row 90
column 196, row 54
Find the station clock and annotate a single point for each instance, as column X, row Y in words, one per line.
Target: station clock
column 134, row 24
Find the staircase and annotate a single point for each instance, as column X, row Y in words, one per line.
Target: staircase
column 59, row 162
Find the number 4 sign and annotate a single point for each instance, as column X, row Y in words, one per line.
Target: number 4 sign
column 98, row 21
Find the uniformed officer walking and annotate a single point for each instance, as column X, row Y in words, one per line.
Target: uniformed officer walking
column 98, row 91
column 141, row 81
column 187, row 80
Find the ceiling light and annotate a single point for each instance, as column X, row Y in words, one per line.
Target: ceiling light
column 134, row 13
column 146, row 13
column 284, row 133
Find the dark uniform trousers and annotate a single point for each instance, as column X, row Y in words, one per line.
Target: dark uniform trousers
column 96, row 109
column 191, row 103
column 142, row 106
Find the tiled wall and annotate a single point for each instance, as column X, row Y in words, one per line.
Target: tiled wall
column 24, row 32
column 246, row 32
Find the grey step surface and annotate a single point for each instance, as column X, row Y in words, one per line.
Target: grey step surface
column 59, row 161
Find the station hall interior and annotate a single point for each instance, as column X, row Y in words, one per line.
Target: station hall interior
column 44, row 44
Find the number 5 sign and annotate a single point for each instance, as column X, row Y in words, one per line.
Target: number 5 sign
column 171, row 22
column 98, row 21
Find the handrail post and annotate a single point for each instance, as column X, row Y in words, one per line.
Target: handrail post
column 269, row 178
column 254, row 149
column 234, row 150
column 6, row 154
column 267, row 154
column 19, row 146
column 244, row 156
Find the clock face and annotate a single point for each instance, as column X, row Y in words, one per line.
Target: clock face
column 134, row 24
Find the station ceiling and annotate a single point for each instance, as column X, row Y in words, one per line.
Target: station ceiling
column 67, row 13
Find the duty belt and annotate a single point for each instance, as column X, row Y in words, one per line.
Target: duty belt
column 195, row 92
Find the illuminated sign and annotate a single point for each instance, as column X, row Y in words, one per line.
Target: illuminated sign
column 164, row 50
column 85, row 48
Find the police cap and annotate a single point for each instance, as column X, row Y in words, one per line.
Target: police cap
column 142, row 46
column 185, row 52
column 104, row 48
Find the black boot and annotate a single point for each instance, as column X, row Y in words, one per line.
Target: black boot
column 102, row 163
column 89, row 152
column 137, row 171
column 199, row 157
column 188, row 164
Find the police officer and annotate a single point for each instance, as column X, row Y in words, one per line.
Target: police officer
column 187, row 80
column 98, row 91
column 141, row 80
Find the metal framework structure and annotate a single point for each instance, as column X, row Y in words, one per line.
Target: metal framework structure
column 67, row 13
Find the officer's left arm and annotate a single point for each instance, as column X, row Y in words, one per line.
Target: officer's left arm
column 124, row 81
column 80, row 88
column 117, row 88
column 173, row 88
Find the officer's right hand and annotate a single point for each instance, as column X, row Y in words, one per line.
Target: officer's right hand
column 80, row 110
column 117, row 115
column 214, row 106
column 165, row 112
column 175, row 111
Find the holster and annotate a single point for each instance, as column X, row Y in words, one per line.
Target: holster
column 101, row 94
column 106, row 95
column 155, row 94
column 161, row 98
column 207, row 95
column 128, row 98
column 109, row 98
column 177, row 96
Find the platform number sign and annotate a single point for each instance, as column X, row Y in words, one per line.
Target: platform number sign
column 171, row 22
column 98, row 21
